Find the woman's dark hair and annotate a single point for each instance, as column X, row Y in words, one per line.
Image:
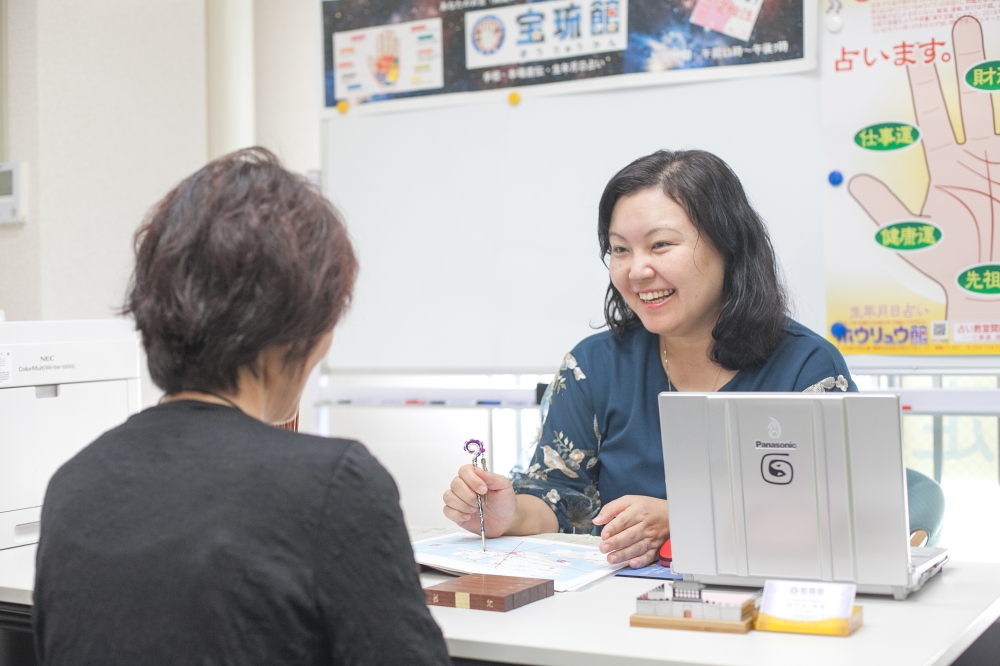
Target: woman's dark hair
column 240, row 257
column 754, row 306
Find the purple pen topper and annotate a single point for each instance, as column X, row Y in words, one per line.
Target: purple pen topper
column 478, row 449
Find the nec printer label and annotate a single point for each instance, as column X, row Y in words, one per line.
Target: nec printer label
column 43, row 368
column 45, row 364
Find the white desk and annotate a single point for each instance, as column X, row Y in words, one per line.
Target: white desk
column 590, row 628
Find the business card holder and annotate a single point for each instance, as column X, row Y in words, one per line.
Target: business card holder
column 832, row 627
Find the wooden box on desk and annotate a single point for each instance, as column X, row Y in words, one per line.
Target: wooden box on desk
column 487, row 592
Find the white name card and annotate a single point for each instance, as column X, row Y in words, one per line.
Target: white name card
column 801, row 601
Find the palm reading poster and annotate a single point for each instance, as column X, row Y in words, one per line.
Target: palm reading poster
column 382, row 50
column 910, row 119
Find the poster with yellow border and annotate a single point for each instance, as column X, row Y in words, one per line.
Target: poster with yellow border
column 911, row 131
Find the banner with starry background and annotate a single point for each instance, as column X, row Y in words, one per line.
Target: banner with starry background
column 379, row 50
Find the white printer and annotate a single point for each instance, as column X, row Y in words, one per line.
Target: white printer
column 62, row 384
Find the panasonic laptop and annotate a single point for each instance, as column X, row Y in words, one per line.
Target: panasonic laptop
column 790, row 485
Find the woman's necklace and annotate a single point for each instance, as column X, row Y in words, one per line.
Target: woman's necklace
column 230, row 402
column 666, row 370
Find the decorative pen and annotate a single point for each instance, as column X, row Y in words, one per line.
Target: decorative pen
column 477, row 449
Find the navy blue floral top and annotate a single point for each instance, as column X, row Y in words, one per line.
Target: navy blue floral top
column 600, row 434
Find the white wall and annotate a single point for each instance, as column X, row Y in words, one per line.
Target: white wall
column 265, row 78
column 288, row 40
column 288, row 81
column 121, row 89
column 20, row 245
column 107, row 107
column 230, row 57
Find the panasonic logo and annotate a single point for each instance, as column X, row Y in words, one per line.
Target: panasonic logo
column 776, row 445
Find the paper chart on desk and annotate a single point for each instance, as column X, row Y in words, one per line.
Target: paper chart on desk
column 570, row 566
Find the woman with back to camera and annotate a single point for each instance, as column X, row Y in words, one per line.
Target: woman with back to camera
column 196, row 532
column 695, row 303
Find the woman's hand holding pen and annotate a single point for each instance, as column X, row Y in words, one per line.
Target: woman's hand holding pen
column 499, row 501
column 635, row 527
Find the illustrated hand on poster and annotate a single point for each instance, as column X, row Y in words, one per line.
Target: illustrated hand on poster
column 385, row 64
column 963, row 196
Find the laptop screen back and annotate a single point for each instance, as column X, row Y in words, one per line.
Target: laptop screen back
column 778, row 485
column 778, row 478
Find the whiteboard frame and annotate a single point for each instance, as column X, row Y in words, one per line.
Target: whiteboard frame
column 872, row 364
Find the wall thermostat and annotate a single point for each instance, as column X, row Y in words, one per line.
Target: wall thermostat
column 13, row 199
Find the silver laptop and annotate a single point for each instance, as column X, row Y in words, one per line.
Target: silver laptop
column 790, row 485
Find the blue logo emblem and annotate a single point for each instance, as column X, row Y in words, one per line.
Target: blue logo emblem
column 488, row 34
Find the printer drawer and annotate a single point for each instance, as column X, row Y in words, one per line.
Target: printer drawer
column 20, row 528
column 43, row 427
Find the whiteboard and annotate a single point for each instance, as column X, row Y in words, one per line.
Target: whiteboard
column 476, row 225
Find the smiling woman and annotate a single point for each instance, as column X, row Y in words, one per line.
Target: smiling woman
column 695, row 303
column 693, row 201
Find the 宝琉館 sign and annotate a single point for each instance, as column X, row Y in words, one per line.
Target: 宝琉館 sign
column 404, row 49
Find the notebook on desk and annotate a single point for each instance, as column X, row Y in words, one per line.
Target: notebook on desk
column 790, row 486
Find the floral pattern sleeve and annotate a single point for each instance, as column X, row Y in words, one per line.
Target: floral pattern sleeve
column 564, row 466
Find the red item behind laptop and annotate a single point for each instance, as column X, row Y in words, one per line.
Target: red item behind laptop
column 666, row 555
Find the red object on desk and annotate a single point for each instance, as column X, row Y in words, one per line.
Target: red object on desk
column 666, row 555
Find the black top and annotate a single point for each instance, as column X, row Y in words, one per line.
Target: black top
column 194, row 534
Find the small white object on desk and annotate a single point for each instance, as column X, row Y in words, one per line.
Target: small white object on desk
column 806, row 601
column 808, row 607
column 703, row 604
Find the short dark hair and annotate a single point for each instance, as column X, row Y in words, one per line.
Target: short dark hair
column 754, row 316
column 240, row 257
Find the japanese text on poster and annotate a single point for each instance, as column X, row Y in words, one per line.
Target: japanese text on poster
column 544, row 31
column 909, row 118
column 374, row 52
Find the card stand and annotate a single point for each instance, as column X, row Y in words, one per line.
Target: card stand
column 488, row 592
column 834, row 627
column 692, row 623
